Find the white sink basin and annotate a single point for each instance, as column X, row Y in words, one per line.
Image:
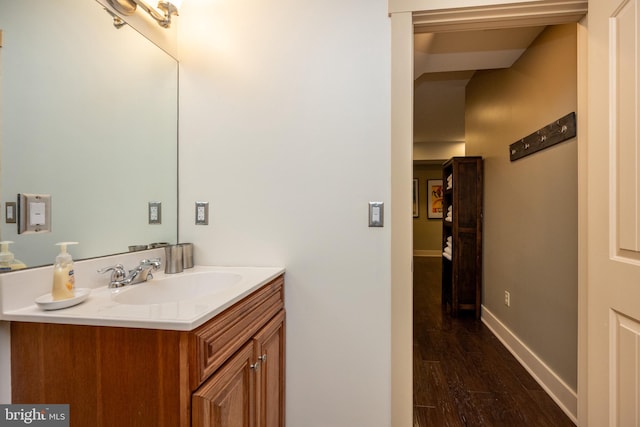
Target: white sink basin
column 179, row 287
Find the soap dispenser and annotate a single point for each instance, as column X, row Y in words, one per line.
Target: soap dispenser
column 63, row 276
column 7, row 260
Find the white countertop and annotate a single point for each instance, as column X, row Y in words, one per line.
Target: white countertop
column 100, row 308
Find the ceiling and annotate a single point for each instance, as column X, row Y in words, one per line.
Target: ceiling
column 444, row 63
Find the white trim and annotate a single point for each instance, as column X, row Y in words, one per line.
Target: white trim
column 427, row 252
column 401, row 220
column 555, row 387
column 396, row 6
column 583, row 111
column 493, row 16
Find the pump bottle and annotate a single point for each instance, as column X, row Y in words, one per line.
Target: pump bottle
column 7, row 261
column 63, row 275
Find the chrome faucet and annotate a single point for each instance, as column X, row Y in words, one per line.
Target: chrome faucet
column 142, row 273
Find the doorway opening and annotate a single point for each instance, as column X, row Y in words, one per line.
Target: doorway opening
column 403, row 22
column 528, row 261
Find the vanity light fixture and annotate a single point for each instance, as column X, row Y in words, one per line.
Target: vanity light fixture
column 162, row 13
column 117, row 21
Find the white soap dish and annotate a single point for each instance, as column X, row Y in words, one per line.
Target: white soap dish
column 46, row 301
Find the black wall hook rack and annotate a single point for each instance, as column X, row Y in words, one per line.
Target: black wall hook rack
column 552, row 134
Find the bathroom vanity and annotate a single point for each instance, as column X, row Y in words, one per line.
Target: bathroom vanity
column 226, row 371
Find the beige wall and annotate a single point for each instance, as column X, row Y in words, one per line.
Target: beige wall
column 531, row 208
column 427, row 233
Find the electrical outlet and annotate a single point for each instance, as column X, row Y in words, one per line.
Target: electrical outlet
column 155, row 213
column 202, row 213
column 507, row 298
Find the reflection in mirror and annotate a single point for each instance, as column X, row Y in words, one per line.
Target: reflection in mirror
column 88, row 114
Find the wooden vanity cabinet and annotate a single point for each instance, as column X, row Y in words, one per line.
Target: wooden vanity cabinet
column 249, row 389
column 227, row 372
column 270, row 346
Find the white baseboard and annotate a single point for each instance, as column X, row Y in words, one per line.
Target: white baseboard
column 427, row 252
column 555, row 387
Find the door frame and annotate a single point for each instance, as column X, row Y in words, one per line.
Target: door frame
column 439, row 15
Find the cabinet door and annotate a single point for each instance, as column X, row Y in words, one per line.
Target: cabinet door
column 269, row 351
column 227, row 399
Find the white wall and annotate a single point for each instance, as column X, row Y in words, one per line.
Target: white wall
column 284, row 129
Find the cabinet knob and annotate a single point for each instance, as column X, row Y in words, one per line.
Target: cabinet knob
column 256, row 365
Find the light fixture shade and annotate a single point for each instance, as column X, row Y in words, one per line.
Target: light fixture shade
column 125, row 7
column 177, row 3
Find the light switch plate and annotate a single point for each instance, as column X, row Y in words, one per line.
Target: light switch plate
column 376, row 214
column 202, row 213
column 10, row 212
column 34, row 213
column 155, row 213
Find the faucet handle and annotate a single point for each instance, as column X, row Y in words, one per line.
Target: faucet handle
column 118, row 272
column 154, row 262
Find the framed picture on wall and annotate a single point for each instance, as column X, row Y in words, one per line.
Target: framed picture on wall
column 434, row 198
column 416, row 206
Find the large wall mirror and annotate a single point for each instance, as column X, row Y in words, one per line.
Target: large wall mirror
column 88, row 115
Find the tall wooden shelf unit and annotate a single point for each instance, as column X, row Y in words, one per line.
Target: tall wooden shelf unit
column 462, row 179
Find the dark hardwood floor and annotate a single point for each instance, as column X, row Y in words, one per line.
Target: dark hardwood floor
column 463, row 376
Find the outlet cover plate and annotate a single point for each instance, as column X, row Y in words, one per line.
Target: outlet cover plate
column 376, row 214
column 10, row 211
column 202, row 213
column 155, row 213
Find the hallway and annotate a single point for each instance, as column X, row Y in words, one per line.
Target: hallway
column 463, row 376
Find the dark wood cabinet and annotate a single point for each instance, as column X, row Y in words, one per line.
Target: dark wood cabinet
column 462, row 234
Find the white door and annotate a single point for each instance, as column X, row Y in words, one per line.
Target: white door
column 613, row 215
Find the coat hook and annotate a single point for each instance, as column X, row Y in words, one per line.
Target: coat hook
column 563, row 128
column 554, row 133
